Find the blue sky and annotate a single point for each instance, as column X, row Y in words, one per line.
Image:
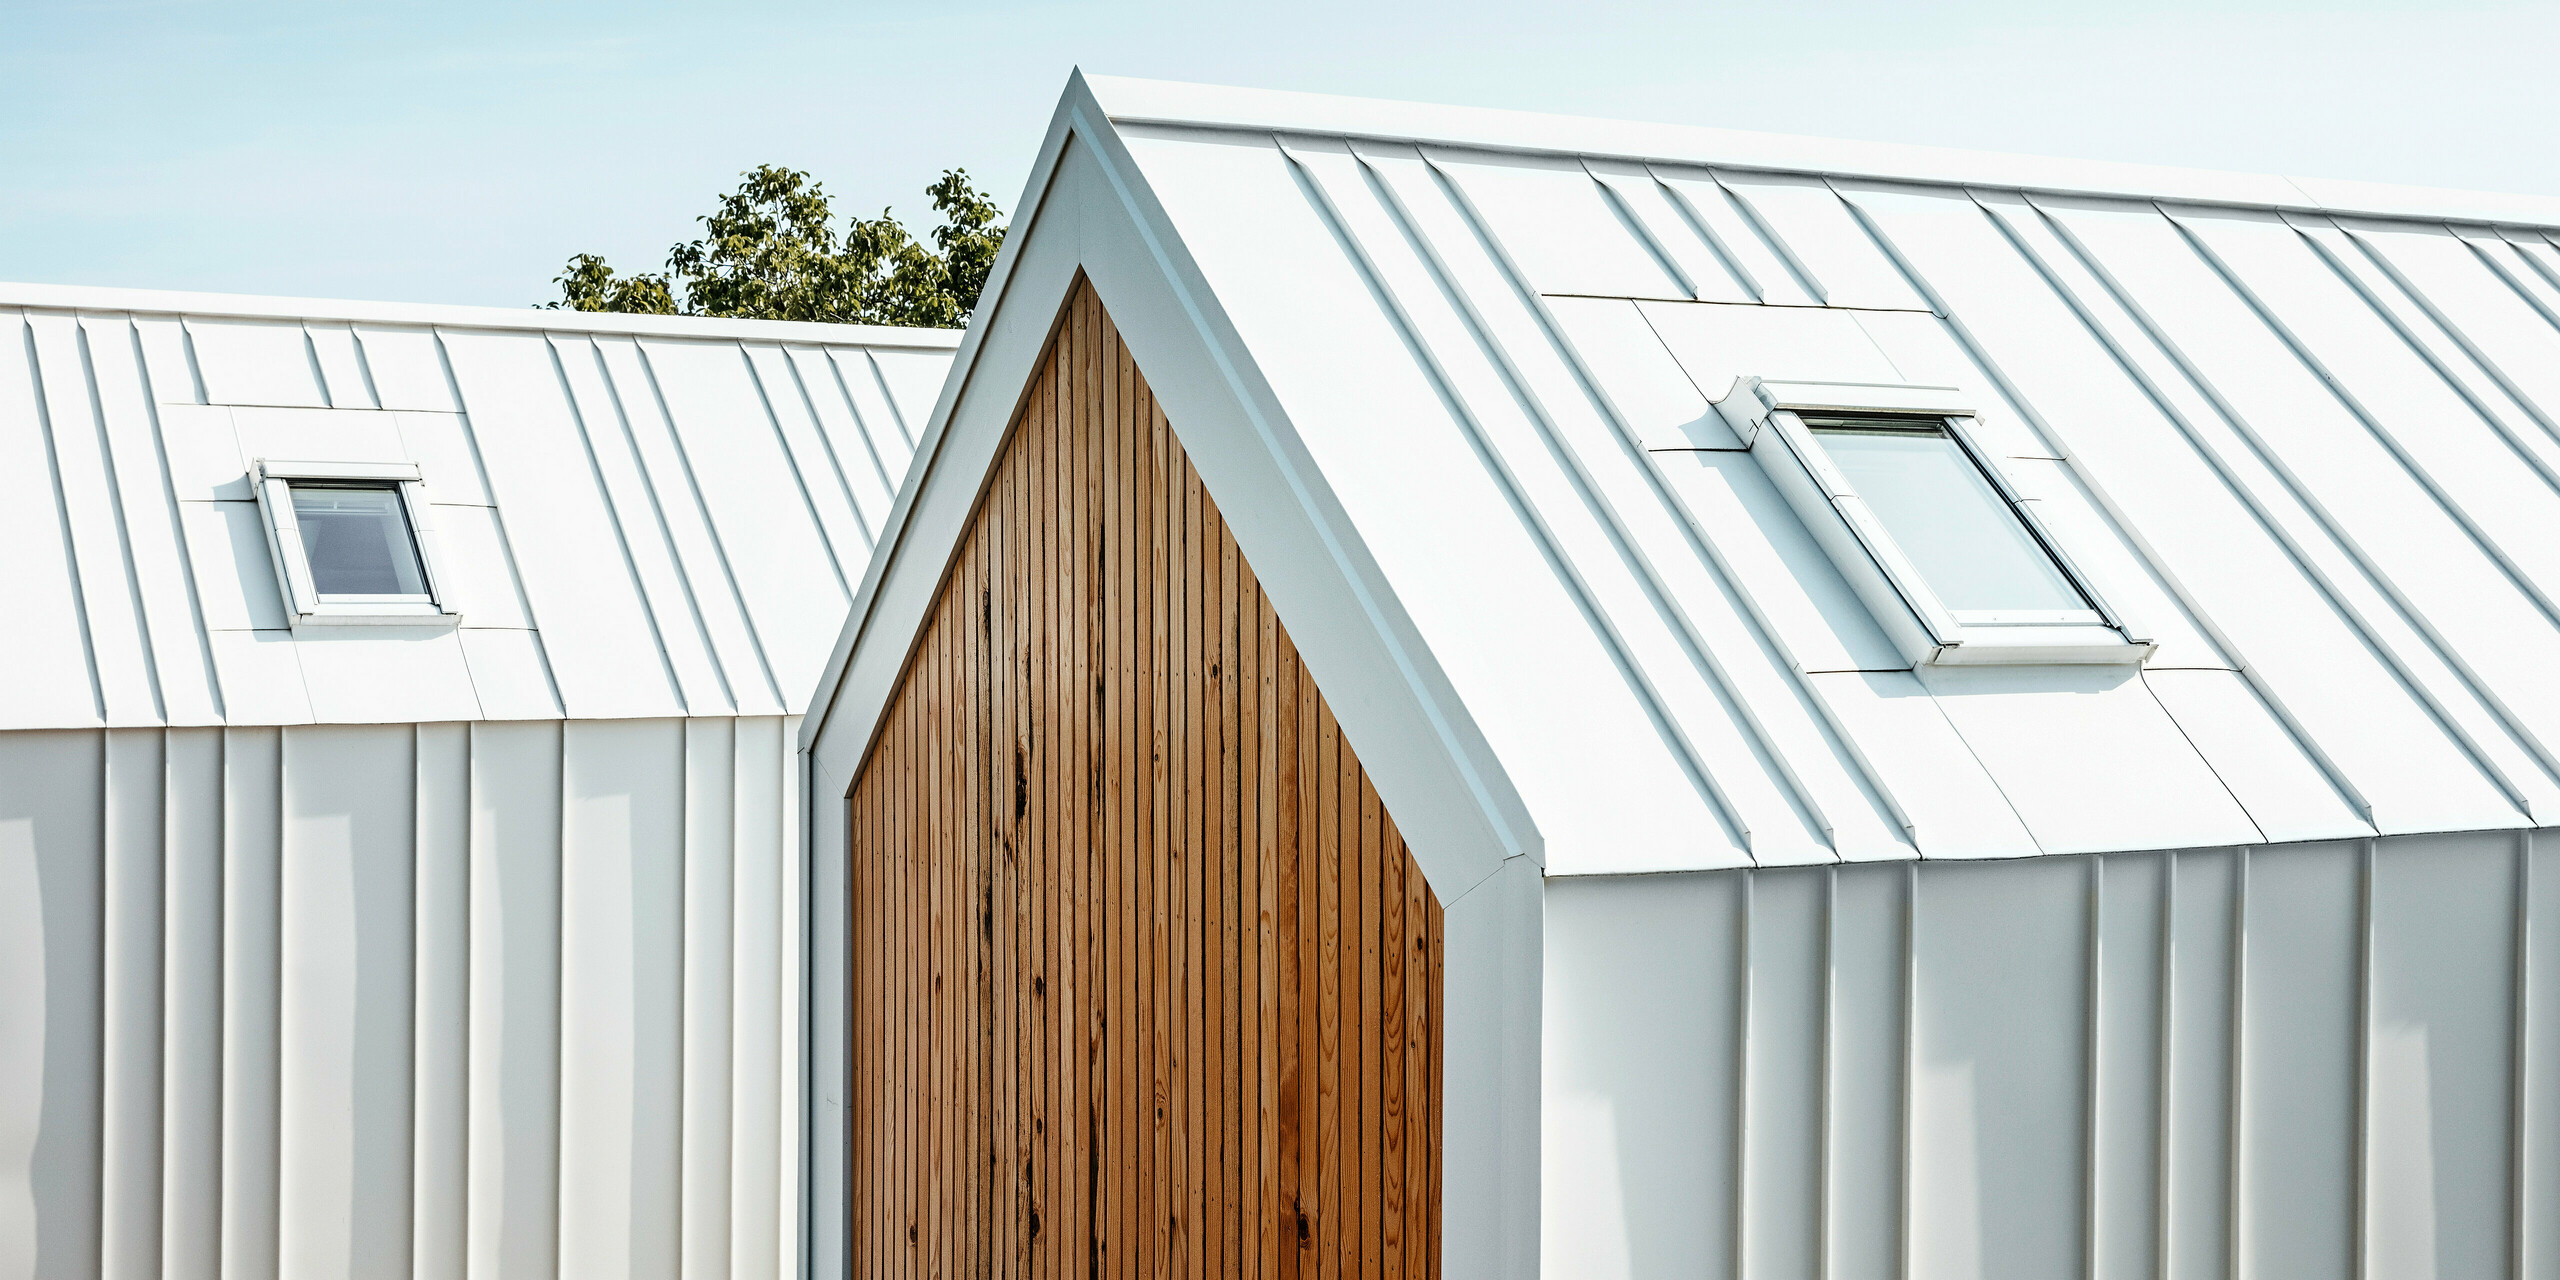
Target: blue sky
column 459, row 152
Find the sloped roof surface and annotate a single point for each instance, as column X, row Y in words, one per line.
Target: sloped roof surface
column 2308, row 433
column 639, row 516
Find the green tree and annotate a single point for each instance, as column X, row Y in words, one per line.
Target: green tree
column 771, row 253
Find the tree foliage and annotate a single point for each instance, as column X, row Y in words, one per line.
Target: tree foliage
column 771, row 253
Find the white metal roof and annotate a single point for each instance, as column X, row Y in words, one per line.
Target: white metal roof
column 2308, row 432
column 640, row 515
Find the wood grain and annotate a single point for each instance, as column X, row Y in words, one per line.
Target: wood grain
column 1147, row 980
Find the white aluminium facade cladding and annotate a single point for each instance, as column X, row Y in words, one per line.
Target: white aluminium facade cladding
column 2314, row 449
column 459, row 948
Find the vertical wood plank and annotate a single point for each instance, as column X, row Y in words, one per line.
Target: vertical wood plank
column 1147, row 978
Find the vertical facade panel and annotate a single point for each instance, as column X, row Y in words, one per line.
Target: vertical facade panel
column 443, row 1002
column 515, row 1001
column 2538, row 1136
column 1999, row 1029
column 2439, row 1092
column 2301, row 987
column 348, row 884
column 621, row 998
column 1868, row 943
column 2128, row 1086
column 710, row 800
column 129, row 1179
column 2201, row 1060
column 1783, row 1084
column 192, row 1011
column 252, row 961
column 52, row 909
column 1075, row 1024
column 755, row 1033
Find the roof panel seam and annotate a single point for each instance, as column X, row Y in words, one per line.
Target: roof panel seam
column 864, row 429
column 2302, row 555
column 835, row 465
column 177, row 524
column 719, row 547
column 62, row 512
column 1641, row 684
column 666, row 536
column 2484, row 690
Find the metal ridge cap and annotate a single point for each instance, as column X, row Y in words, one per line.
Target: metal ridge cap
column 1162, row 102
column 260, row 307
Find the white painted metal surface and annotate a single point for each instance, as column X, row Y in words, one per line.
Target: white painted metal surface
column 644, row 516
column 2328, row 1059
column 424, row 951
column 2314, row 449
column 497, row 999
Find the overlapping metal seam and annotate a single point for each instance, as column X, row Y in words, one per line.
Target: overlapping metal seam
column 1588, row 490
column 1496, row 464
column 2270, row 518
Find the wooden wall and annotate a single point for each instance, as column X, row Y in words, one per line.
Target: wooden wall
column 1144, row 981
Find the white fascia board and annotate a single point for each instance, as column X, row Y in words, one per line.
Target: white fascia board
column 536, row 319
column 1219, row 106
column 1095, row 216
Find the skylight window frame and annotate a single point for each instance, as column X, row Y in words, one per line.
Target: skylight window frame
column 305, row 604
column 1770, row 419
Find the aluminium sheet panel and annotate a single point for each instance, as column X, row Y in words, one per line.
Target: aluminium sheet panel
column 407, row 368
column 379, row 674
column 2284, row 788
column 787, row 575
column 1671, row 232
column 348, row 948
column 235, row 576
column 842, row 433
column 813, row 459
column 2500, row 325
column 109, row 604
column 622, row 912
column 569, row 551
column 513, row 1151
column 1556, row 225
column 260, row 362
column 510, row 674
column 2124, row 413
column 912, row 380
column 261, row 674
column 318, row 435
column 1637, row 377
column 701, row 557
column 2088, row 758
column 1795, row 593
column 1452, row 550
column 1737, row 236
column 148, row 513
column 440, row 443
column 342, row 372
column 1953, row 807
column 1738, row 704
column 1548, row 448
column 1816, row 230
column 43, row 647
column 473, row 568
column 165, row 360
column 2386, row 523
column 2424, row 421
column 2300, row 1096
column 637, row 510
column 1718, row 344
column 203, row 452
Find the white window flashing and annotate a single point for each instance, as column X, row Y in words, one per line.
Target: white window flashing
column 305, row 603
column 1769, row 417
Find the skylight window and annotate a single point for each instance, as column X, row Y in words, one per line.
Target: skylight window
column 1955, row 567
column 358, row 540
column 351, row 542
column 1970, row 545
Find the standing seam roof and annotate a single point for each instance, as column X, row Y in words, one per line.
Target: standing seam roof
column 2317, row 453
column 638, row 516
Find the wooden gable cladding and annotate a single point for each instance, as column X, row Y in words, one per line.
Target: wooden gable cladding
column 1143, row 979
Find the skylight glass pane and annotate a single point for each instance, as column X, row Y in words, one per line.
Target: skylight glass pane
column 357, row 539
column 1944, row 514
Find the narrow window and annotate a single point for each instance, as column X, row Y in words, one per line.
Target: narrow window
column 359, row 543
column 1970, row 546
